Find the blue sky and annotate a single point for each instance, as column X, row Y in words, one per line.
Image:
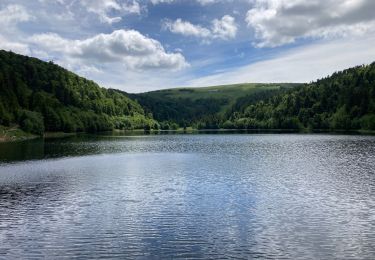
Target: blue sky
column 143, row 45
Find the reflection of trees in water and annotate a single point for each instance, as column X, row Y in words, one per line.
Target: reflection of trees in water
column 25, row 150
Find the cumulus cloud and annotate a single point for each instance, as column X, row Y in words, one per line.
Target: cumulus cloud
column 128, row 47
column 224, row 28
column 278, row 22
column 104, row 7
column 186, row 28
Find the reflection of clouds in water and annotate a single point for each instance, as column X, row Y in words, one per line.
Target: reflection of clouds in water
column 209, row 196
column 307, row 202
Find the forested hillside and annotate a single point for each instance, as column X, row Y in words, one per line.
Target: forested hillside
column 205, row 107
column 41, row 96
column 343, row 101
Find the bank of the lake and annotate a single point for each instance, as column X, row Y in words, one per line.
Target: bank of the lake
column 14, row 133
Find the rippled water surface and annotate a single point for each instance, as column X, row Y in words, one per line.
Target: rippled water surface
column 189, row 196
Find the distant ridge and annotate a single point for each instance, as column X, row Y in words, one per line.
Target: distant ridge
column 342, row 101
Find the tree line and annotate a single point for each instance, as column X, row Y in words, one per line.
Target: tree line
column 342, row 101
column 41, row 96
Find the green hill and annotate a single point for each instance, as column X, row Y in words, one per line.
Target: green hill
column 343, row 101
column 204, row 107
column 41, row 96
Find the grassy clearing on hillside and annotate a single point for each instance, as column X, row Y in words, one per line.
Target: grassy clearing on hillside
column 8, row 134
column 217, row 92
column 207, row 105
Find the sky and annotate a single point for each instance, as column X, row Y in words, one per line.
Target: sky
column 144, row 45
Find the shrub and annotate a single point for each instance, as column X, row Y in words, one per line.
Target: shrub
column 31, row 122
column 368, row 122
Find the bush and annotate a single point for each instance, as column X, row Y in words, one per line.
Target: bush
column 368, row 122
column 31, row 122
column 164, row 125
column 173, row 126
column 340, row 120
column 5, row 117
column 228, row 125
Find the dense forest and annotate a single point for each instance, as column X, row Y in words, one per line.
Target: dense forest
column 41, row 96
column 204, row 108
column 343, row 101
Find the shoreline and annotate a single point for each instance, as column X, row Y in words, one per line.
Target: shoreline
column 14, row 134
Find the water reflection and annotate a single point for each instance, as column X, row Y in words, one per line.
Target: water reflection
column 211, row 196
column 27, row 150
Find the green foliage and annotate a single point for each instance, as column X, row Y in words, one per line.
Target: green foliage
column 5, row 116
column 343, row 101
column 368, row 122
column 168, row 125
column 43, row 96
column 204, row 107
column 31, row 122
column 341, row 119
column 14, row 134
column 61, row 100
column 137, row 121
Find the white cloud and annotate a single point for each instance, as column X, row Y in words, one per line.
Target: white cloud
column 206, row 2
column 155, row 2
column 303, row 64
column 186, row 28
column 14, row 46
column 10, row 16
column 132, row 7
column 104, row 7
column 202, row 2
column 13, row 14
column 224, row 28
column 132, row 61
column 129, row 47
column 278, row 22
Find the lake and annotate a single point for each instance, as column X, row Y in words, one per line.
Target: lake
column 275, row 196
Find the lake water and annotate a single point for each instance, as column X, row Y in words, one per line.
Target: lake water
column 283, row 196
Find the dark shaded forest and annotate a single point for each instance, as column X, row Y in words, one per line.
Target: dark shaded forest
column 41, row 96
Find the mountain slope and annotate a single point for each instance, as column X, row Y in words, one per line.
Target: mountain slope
column 203, row 107
column 43, row 96
column 343, row 101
